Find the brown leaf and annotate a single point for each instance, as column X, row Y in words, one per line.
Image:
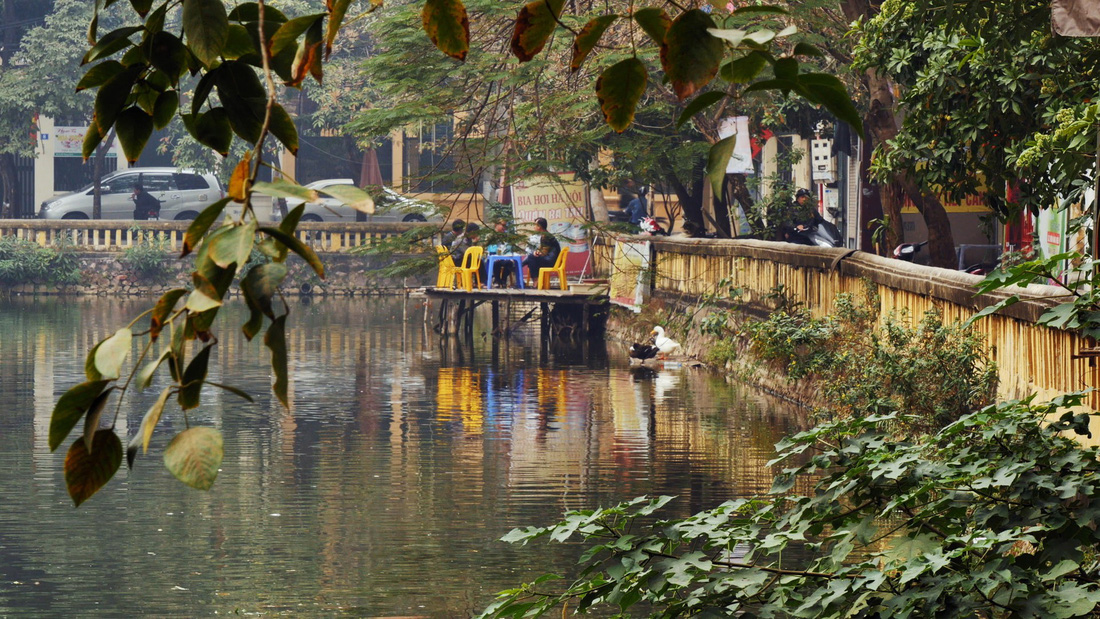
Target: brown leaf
column 238, row 183
column 534, row 25
column 86, row 472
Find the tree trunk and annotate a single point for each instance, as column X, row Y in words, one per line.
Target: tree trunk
column 97, row 171
column 596, row 199
column 691, row 202
column 883, row 126
column 10, row 185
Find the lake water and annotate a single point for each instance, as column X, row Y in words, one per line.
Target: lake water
column 382, row 492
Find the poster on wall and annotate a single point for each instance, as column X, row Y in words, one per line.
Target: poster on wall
column 69, row 142
column 630, row 274
column 560, row 199
column 741, row 159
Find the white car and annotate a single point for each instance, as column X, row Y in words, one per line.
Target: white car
column 183, row 194
column 389, row 206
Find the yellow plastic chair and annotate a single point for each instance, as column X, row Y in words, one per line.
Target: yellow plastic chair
column 558, row 268
column 470, row 269
column 446, row 278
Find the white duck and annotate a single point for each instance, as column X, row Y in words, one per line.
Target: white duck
column 665, row 345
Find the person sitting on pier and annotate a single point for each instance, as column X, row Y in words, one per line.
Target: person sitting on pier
column 500, row 244
column 466, row 240
column 452, row 238
column 545, row 253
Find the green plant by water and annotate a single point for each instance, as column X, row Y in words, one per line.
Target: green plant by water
column 25, row 262
column 148, row 259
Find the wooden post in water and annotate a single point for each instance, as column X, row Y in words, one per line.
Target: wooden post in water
column 544, row 321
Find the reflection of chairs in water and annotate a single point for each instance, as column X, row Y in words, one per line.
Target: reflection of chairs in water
column 558, row 269
column 470, row 269
column 446, row 278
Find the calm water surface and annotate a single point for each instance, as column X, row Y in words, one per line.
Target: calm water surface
column 381, row 492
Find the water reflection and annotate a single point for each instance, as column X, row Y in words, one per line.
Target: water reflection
column 380, row 492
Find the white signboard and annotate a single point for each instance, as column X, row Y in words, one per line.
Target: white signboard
column 69, row 142
column 741, row 160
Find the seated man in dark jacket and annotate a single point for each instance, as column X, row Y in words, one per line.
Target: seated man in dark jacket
column 546, row 252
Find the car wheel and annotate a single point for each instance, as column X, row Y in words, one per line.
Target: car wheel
column 186, row 216
column 74, row 215
column 314, row 218
column 414, row 217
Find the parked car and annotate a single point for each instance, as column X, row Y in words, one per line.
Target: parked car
column 183, row 194
column 389, row 206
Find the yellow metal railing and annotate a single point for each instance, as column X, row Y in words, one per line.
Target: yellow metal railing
column 116, row 235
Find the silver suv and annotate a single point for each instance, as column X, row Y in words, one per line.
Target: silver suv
column 183, row 194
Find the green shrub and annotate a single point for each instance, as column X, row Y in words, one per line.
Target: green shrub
column 25, row 262
column 932, row 372
column 993, row 516
column 149, row 259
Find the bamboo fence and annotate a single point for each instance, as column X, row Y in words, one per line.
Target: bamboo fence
column 1030, row 358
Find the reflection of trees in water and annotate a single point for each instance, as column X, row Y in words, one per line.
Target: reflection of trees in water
column 397, row 453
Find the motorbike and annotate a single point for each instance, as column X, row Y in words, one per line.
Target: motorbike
column 908, row 251
column 820, row 234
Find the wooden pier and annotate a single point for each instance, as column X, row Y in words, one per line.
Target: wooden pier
column 574, row 313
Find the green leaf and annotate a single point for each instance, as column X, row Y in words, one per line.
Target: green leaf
column 699, row 104
column 757, row 10
column 297, row 247
column 307, row 59
column 112, row 96
column 689, row 54
column 282, row 127
column 110, row 354
column 238, row 43
column 148, row 424
column 655, row 22
column 992, row 309
column 262, row 284
column 351, row 196
column 92, row 138
column 587, row 39
column 534, row 25
column 744, row 69
column 448, row 26
column 733, row 36
column 133, row 129
column 111, row 43
column 193, row 378
column 194, row 456
column 70, row 407
column 717, row 160
column 99, row 74
column 619, row 89
column 233, row 390
column 88, row 471
column 162, row 310
column 207, row 27
column 212, row 129
column 805, row 49
column 337, row 9
column 233, row 246
column 288, row 33
column 831, row 93
column 144, row 377
column 168, row 54
column 201, row 224
column 204, row 297
column 141, row 6
column 275, row 340
column 280, row 188
column 165, row 108
column 786, row 68
column 91, row 420
column 203, row 90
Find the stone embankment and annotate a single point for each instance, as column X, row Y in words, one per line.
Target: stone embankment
column 103, row 274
